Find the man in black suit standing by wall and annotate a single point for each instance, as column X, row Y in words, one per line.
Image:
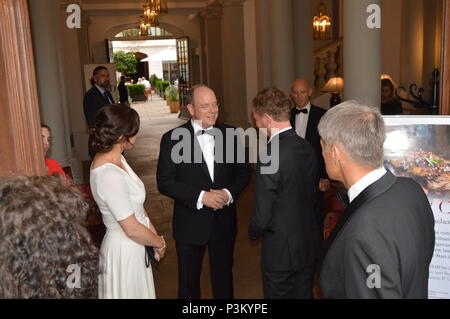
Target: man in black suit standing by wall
column 284, row 216
column 98, row 96
column 383, row 245
column 305, row 118
column 205, row 194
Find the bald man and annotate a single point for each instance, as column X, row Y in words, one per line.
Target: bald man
column 304, row 120
column 205, row 194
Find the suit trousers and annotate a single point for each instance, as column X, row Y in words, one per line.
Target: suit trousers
column 295, row 284
column 190, row 259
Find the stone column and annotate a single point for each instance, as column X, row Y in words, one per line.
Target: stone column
column 282, row 46
column 263, row 44
column 362, row 52
column 303, row 40
column 74, row 90
column 44, row 21
column 251, row 54
column 234, row 68
column 212, row 16
column 412, row 43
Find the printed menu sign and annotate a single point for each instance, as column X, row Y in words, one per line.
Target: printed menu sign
column 419, row 148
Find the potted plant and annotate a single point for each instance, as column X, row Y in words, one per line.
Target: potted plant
column 163, row 85
column 137, row 92
column 173, row 98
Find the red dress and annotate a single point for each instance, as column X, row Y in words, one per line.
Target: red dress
column 53, row 167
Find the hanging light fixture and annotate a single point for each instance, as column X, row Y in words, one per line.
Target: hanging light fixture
column 143, row 26
column 322, row 25
column 152, row 11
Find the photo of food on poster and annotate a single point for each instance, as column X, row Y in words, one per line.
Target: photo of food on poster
column 419, row 148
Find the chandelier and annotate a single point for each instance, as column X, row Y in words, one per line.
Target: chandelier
column 322, row 25
column 152, row 11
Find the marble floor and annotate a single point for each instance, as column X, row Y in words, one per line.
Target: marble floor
column 155, row 121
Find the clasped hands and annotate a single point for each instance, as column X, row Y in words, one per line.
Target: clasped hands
column 215, row 199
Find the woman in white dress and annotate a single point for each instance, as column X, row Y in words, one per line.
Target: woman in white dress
column 120, row 196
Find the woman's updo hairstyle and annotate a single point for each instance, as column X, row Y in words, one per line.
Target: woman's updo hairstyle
column 111, row 123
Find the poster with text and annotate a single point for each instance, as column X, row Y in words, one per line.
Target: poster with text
column 419, row 147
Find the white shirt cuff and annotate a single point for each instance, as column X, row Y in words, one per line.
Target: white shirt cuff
column 230, row 198
column 199, row 201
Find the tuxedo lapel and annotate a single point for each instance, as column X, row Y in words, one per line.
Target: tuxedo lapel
column 198, row 150
column 374, row 190
column 312, row 123
column 293, row 119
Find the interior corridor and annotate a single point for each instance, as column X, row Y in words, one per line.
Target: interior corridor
column 155, row 121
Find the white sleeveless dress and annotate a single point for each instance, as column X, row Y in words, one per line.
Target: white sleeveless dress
column 118, row 194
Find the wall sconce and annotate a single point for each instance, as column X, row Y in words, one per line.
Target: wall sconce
column 322, row 25
column 334, row 86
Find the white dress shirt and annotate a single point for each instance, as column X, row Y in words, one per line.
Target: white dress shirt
column 365, row 182
column 301, row 121
column 206, row 142
column 279, row 132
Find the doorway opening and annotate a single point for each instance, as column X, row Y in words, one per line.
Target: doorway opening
column 163, row 60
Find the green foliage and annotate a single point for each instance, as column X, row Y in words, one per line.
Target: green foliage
column 136, row 89
column 163, row 85
column 157, row 84
column 153, row 79
column 125, row 62
column 171, row 94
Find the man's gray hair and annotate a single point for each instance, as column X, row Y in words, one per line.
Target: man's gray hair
column 357, row 128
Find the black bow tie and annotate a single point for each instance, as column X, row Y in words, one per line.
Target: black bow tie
column 201, row 132
column 296, row 111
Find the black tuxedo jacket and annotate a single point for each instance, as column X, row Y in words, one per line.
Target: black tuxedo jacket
column 185, row 181
column 123, row 92
column 312, row 135
column 94, row 100
column 390, row 224
column 284, row 216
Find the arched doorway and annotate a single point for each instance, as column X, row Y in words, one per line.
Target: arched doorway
column 173, row 63
column 142, row 66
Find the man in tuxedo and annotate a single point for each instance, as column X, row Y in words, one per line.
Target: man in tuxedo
column 98, row 96
column 383, row 245
column 305, row 118
column 205, row 194
column 284, row 215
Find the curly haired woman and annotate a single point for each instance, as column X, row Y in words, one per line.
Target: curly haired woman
column 43, row 240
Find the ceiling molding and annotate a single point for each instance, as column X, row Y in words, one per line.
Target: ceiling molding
column 138, row 6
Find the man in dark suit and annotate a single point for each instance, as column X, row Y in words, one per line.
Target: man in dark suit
column 305, row 118
column 205, row 191
column 284, row 215
column 383, row 245
column 123, row 91
column 98, row 96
